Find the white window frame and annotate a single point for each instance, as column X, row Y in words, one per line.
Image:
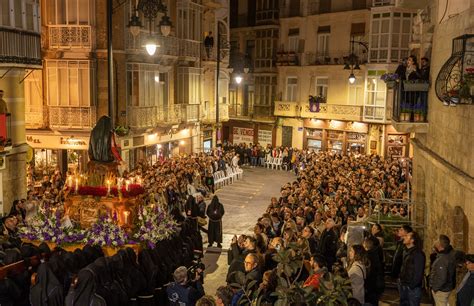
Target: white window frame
column 355, row 93
column 375, row 100
column 292, row 89
column 190, row 17
column 20, row 14
column 323, row 44
column 265, row 88
column 153, row 85
column 321, row 88
column 34, row 90
column 189, row 85
column 79, row 7
column 293, row 43
column 68, row 71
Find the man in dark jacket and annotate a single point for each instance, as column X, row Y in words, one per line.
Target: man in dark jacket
column 465, row 290
column 329, row 243
column 183, row 292
column 398, row 256
column 375, row 283
column 412, row 271
column 443, row 271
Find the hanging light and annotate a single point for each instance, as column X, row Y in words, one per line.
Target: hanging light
column 238, row 79
column 151, row 46
column 165, row 25
column 135, row 25
column 352, row 78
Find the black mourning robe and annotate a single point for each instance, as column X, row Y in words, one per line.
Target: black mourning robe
column 215, row 212
column 48, row 290
column 100, row 144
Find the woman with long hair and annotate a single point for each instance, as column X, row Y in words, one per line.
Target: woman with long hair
column 358, row 271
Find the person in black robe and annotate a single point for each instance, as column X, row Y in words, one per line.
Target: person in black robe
column 48, row 290
column 20, row 278
column 83, row 291
column 100, row 144
column 192, row 211
column 215, row 212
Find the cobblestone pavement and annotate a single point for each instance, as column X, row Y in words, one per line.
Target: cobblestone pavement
column 244, row 202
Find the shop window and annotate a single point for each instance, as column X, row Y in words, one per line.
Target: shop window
column 397, row 145
column 356, row 143
column 335, row 141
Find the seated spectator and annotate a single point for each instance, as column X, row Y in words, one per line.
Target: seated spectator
column 252, row 269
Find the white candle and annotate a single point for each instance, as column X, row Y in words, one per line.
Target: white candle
column 69, row 181
column 108, row 187
column 125, row 215
column 77, row 184
column 119, row 183
column 127, row 183
column 139, row 180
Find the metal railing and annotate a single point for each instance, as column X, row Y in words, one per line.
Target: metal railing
column 410, row 102
column 72, row 117
column 191, row 113
column 35, row 116
column 326, row 110
column 70, row 36
column 330, row 58
column 140, row 117
column 287, row 109
column 20, row 47
column 210, row 114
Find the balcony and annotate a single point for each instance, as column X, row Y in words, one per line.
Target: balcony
column 287, row 109
column 326, row 111
column 70, row 37
column 210, row 114
column 410, row 107
column 5, row 132
column 71, row 117
column 330, row 58
column 287, row 59
column 191, row 113
column 20, row 48
column 35, row 116
column 173, row 114
column 144, row 117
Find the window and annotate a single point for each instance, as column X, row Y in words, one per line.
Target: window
column 265, row 90
column 355, row 95
column 70, row 83
column 267, row 10
column 374, row 108
column 34, row 91
column 390, row 36
column 266, row 43
column 21, row 14
column 189, row 86
column 321, row 87
column 293, row 39
column 146, row 85
column 291, row 89
column 189, row 21
column 323, row 44
column 68, row 12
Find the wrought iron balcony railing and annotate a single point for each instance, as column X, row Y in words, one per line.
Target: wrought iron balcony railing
column 410, row 102
column 72, row 117
column 20, row 47
column 326, row 111
column 142, row 117
column 70, row 36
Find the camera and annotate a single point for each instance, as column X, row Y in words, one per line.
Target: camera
column 197, row 264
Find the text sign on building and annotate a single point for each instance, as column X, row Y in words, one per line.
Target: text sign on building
column 241, row 135
column 264, row 137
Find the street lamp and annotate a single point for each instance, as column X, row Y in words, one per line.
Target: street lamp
column 238, row 79
column 352, row 61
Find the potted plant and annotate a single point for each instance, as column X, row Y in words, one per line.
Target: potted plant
column 390, row 79
column 405, row 112
column 419, row 113
column 122, row 131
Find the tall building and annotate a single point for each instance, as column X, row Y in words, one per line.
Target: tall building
column 20, row 58
column 443, row 170
column 254, row 42
column 323, row 43
column 163, row 104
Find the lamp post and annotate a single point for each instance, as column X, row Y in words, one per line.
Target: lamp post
column 150, row 10
column 352, row 61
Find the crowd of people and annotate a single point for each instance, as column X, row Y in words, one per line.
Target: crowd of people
column 317, row 216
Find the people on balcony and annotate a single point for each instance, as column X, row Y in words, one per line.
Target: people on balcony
column 3, row 103
column 209, row 44
column 425, row 69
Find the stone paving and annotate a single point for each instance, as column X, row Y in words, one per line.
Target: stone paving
column 244, row 202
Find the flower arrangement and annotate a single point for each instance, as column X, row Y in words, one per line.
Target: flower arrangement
column 154, row 225
column 389, row 77
column 106, row 232
column 47, row 226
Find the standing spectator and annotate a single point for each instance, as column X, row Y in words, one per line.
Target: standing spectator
column 329, row 243
column 209, row 44
column 412, row 271
column 183, row 292
column 425, row 69
column 308, row 233
column 318, row 266
column 3, row 104
column 375, row 276
column 358, row 271
column 398, row 255
column 465, row 290
column 215, row 212
column 443, row 271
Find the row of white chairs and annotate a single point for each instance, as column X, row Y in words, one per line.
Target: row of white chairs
column 222, row 178
column 275, row 163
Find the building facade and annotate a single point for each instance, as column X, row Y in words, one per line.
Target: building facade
column 321, row 44
column 20, row 57
column 163, row 104
column 443, row 171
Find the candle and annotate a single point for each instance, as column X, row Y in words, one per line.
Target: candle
column 77, row 184
column 139, row 180
column 119, row 183
column 127, row 183
column 69, row 181
column 125, row 216
column 108, row 187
